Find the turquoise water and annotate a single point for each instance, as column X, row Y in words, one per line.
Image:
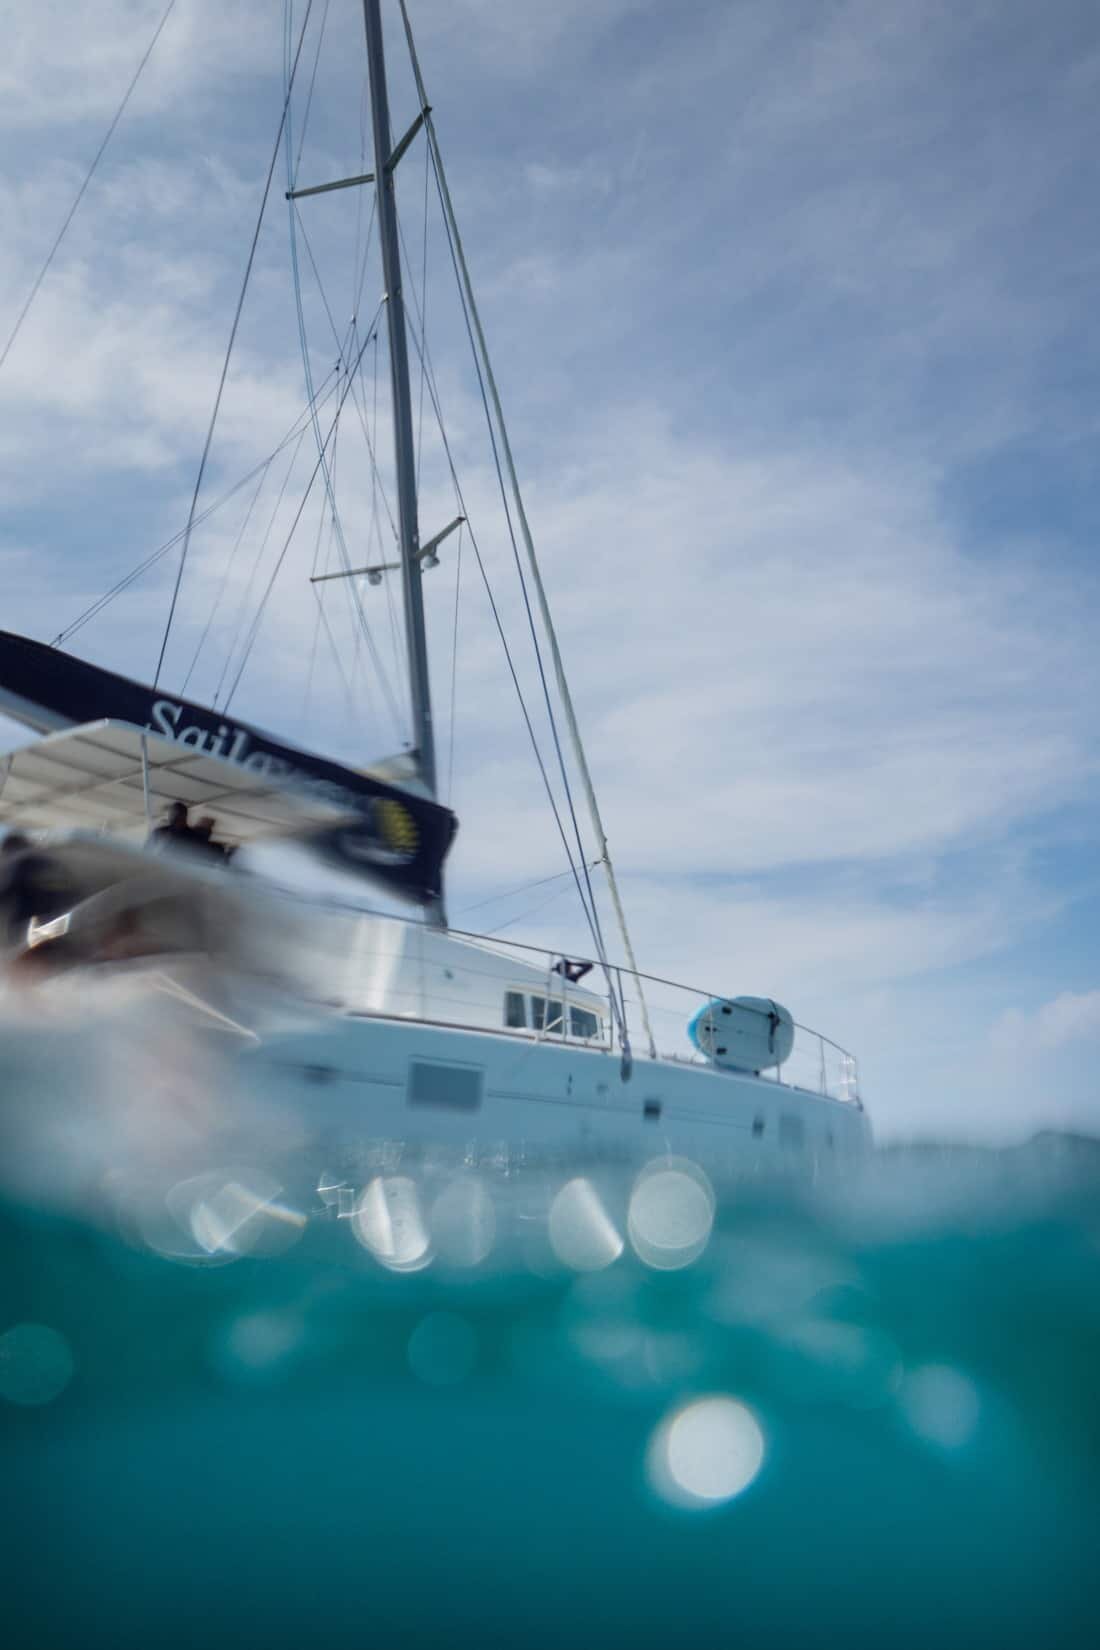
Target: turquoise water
column 546, row 1405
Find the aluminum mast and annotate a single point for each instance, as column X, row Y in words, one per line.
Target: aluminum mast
column 408, row 528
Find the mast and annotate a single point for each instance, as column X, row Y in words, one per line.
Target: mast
column 385, row 160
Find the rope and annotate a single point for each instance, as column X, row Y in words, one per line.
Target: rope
column 88, row 176
column 229, row 350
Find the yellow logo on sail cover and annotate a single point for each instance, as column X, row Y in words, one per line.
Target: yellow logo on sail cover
column 396, row 829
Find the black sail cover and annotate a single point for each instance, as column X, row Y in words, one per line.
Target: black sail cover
column 398, row 838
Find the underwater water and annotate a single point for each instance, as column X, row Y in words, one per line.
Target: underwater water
column 569, row 1403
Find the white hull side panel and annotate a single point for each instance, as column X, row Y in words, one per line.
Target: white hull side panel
column 354, row 1076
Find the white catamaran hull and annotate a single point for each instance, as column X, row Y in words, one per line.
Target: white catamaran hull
column 403, row 1081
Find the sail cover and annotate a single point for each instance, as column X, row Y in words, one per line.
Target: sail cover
column 391, row 834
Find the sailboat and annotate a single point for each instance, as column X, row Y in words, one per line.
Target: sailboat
column 380, row 1026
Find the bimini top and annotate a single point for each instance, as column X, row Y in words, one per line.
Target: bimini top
column 112, row 776
column 399, row 836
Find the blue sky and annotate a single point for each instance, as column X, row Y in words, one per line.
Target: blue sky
column 792, row 310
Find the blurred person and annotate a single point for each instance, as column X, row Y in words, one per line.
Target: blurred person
column 204, row 838
column 175, row 828
column 33, row 885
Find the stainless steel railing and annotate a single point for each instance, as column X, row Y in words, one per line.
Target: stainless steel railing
column 468, row 992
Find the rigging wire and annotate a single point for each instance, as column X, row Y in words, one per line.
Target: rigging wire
column 547, row 700
column 308, row 711
column 423, row 309
column 323, row 616
column 359, row 616
column 242, row 606
column 229, row 347
column 387, row 584
column 531, row 911
column 420, row 344
column 343, row 347
column 585, row 891
column 617, row 1008
column 588, row 905
column 225, row 577
column 157, row 555
column 258, row 619
column 470, row 313
column 421, row 348
column 351, row 591
column 88, row 176
column 524, row 888
column 312, row 84
column 356, row 276
column 454, row 675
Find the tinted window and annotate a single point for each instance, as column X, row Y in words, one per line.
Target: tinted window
column 582, row 1023
column 545, row 1014
column 515, row 1013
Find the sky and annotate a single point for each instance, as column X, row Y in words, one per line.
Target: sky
column 791, row 307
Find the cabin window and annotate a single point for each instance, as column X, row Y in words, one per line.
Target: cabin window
column 515, row 1009
column 583, row 1023
column 757, row 1127
column 546, row 1014
column 791, row 1132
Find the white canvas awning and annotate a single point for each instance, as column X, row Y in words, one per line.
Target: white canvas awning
column 112, row 776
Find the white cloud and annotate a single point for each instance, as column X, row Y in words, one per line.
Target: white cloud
column 65, row 65
column 1069, row 1018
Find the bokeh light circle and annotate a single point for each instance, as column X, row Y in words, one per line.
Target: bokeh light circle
column 671, row 1213
column 941, row 1405
column 389, row 1223
column 582, row 1234
column 705, row 1453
